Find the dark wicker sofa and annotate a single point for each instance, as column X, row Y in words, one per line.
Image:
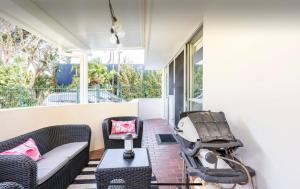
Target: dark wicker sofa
column 54, row 143
column 113, row 143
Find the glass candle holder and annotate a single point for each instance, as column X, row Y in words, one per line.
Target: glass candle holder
column 128, row 146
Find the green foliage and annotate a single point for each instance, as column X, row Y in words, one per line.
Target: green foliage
column 43, row 81
column 76, row 78
column 18, row 46
column 13, row 87
column 98, row 73
column 28, row 68
column 75, row 83
column 11, row 76
column 130, row 82
column 152, row 83
column 139, row 84
column 197, row 80
column 27, row 62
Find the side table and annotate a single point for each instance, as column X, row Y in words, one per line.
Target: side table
column 114, row 171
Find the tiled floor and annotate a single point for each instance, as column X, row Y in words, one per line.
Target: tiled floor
column 165, row 159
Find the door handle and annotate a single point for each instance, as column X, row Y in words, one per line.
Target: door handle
column 177, row 129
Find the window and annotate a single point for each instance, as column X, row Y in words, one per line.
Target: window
column 195, row 81
column 116, row 76
column 66, row 88
column 34, row 72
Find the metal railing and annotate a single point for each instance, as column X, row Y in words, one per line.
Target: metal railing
column 28, row 97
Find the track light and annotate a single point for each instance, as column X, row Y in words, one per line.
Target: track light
column 113, row 39
column 116, row 30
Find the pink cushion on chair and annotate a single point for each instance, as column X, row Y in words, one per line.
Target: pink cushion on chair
column 28, row 148
column 122, row 127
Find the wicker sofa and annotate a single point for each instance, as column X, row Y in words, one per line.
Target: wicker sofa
column 65, row 151
column 110, row 143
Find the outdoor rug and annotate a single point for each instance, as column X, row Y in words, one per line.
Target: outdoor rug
column 165, row 139
column 87, row 180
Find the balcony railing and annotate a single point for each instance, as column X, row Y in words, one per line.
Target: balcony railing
column 27, row 97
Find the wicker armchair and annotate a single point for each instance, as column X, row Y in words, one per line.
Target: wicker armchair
column 114, row 143
column 10, row 185
column 23, row 170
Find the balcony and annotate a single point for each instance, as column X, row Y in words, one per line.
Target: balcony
column 65, row 63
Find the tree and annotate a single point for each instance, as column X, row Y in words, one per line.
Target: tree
column 98, row 73
column 9, row 41
column 197, row 80
column 130, row 82
column 28, row 67
column 13, row 87
column 27, row 63
column 152, row 83
column 17, row 44
column 76, row 78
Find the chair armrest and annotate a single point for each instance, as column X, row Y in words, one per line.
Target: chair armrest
column 20, row 169
column 105, row 130
column 10, row 185
column 140, row 127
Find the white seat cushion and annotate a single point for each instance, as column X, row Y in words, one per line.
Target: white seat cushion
column 55, row 159
column 120, row 136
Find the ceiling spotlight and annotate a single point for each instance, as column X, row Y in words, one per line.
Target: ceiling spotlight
column 116, row 29
column 117, row 40
column 113, row 38
column 120, row 32
column 119, row 46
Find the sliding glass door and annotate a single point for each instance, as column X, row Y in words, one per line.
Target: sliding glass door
column 184, row 91
column 171, row 94
column 179, row 86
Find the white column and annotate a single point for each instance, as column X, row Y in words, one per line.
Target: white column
column 83, row 78
column 163, row 93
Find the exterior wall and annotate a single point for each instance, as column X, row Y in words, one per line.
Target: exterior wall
column 15, row 122
column 252, row 73
column 150, row 108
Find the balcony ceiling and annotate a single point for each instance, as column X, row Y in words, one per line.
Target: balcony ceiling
column 159, row 26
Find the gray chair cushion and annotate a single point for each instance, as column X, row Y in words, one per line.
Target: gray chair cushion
column 55, row 159
column 70, row 150
column 120, row 136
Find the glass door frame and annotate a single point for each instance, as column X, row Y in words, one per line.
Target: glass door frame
column 196, row 40
column 184, row 51
column 166, row 92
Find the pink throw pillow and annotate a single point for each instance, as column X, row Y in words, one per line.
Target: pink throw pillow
column 28, row 148
column 122, row 127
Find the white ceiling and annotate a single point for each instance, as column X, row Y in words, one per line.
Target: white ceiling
column 172, row 22
column 159, row 26
column 89, row 20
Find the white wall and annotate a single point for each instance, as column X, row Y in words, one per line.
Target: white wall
column 252, row 73
column 15, row 122
column 150, row 108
